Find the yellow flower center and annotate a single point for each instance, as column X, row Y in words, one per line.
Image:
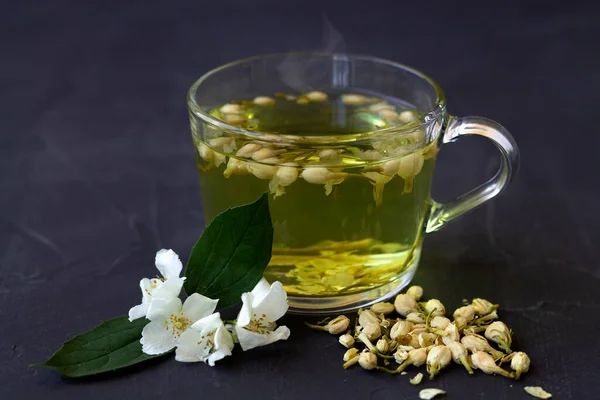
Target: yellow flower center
column 179, row 323
column 258, row 325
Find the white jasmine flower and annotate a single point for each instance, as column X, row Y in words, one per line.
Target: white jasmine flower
column 169, row 319
column 207, row 340
column 168, row 287
column 260, row 309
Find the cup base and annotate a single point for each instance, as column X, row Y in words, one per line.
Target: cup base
column 343, row 304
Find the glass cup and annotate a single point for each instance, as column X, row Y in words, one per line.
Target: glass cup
column 346, row 145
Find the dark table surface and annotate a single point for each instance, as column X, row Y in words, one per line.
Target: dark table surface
column 97, row 172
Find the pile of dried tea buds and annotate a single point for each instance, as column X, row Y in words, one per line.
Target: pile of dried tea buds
column 411, row 332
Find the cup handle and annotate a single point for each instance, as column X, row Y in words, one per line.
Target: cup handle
column 441, row 213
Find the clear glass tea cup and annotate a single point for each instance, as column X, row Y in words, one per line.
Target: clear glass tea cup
column 346, row 145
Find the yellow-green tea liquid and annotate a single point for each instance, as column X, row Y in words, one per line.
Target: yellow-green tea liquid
column 328, row 245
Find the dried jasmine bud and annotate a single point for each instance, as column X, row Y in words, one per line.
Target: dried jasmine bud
column 367, row 360
column 248, row 150
column 264, row 101
column 418, row 328
column 386, row 323
column 439, row 322
column 400, row 356
column 405, row 305
column 439, row 357
column 426, row 339
column 370, row 155
column 390, row 116
column 416, row 292
column 451, row 333
column 428, row 394
column 285, row 176
column 410, row 167
column 407, row 116
column 483, row 361
column 234, row 119
column 391, row 168
column 475, row 343
column 262, row 171
column 346, row 341
column 467, row 313
column 227, row 144
column 416, row 357
column 415, row 318
column 459, row 354
column 537, row 391
column 264, row 153
column 499, row 333
column 416, row 379
column 520, row 363
column 372, row 331
column 316, row 96
column 323, row 176
column 435, row 308
column 235, row 166
column 354, row 99
column 350, row 354
column 382, row 346
column 401, row 328
column 365, row 317
column 329, row 155
column 335, row 326
column 483, row 307
column 232, row 109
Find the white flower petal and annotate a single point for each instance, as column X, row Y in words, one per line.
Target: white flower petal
column 260, row 290
column 156, row 339
column 138, row 311
column 274, row 304
column 197, row 306
column 191, row 347
column 245, row 313
column 209, row 323
column 147, row 289
column 161, row 309
column 223, row 345
column 168, row 263
column 168, row 289
column 249, row 340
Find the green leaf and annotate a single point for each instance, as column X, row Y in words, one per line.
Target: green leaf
column 113, row 344
column 231, row 255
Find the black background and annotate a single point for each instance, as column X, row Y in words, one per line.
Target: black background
column 97, row 173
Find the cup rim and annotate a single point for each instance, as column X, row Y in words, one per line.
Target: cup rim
column 424, row 119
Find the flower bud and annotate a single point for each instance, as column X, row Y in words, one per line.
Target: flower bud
column 382, row 346
column 400, row 356
column 372, row 331
column 350, row 353
column 367, row 360
column 419, row 328
column 248, row 149
column 435, row 308
column 483, row 307
column 416, row 292
column 466, row 312
column 520, row 363
column 383, row 308
column 418, row 357
column 287, row 174
column 338, row 325
column 329, row 155
column 439, row 322
column 346, row 341
column 263, row 154
column 451, row 333
column 426, row 339
column 459, row 354
column 262, row 171
column 438, row 358
column 235, row 166
column 400, row 328
column 483, row 361
column 415, row 318
column 366, row 317
column 460, row 322
column 475, row 343
column 499, row 333
column 414, row 340
column 264, row 101
column 405, row 304
column 351, row 99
